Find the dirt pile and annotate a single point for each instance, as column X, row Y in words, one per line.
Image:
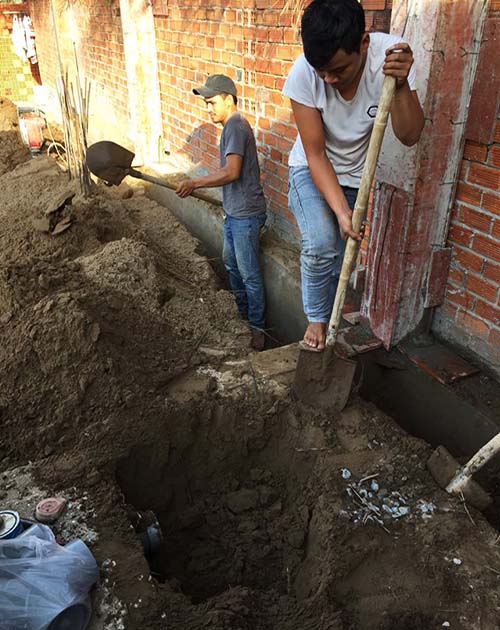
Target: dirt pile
column 12, row 149
column 127, row 381
column 98, row 319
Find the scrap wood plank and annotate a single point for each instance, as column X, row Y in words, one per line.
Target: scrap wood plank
column 439, row 361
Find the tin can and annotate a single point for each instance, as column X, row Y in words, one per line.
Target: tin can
column 10, row 524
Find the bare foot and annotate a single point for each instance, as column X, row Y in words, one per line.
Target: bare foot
column 315, row 335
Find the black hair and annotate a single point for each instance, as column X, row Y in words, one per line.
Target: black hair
column 330, row 25
column 235, row 98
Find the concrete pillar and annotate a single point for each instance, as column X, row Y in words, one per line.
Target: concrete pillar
column 407, row 260
column 142, row 77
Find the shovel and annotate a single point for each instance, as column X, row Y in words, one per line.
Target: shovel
column 324, row 379
column 112, row 163
column 455, row 480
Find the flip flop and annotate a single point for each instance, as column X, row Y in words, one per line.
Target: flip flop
column 304, row 346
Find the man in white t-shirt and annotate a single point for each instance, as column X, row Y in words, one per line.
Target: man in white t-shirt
column 334, row 89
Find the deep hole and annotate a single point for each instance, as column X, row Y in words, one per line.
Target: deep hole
column 226, row 510
column 252, row 513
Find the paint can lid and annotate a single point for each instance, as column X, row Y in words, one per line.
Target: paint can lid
column 9, row 522
column 48, row 510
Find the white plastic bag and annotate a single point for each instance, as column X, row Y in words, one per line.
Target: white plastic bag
column 40, row 579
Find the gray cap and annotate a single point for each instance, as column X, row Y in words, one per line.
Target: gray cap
column 216, row 84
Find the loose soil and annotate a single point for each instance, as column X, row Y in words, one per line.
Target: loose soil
column 129, row 387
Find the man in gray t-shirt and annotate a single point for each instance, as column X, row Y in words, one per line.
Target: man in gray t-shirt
column 243, row 201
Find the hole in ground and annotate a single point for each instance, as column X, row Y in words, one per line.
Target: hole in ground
column 263, row 530
column 228, row 501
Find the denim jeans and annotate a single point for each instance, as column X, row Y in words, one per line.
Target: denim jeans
column 322, row 246
column 240, row 255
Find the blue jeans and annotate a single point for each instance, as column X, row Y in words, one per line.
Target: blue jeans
column 240, row 255
column 322, row 246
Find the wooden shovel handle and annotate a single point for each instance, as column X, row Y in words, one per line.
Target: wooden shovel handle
column 166, row 184
column 358, row 216
column 484, row 454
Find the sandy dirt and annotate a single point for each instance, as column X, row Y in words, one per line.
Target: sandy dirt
column 128, row 387
column 12, row 149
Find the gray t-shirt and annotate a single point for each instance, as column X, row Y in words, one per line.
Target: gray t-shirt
column 244, row 197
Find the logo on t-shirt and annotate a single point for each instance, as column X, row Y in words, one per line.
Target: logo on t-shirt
column 372, row 111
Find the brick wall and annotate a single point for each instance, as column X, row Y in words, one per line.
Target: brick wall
column 470, row 315
column 16, row 79
column 253, row 42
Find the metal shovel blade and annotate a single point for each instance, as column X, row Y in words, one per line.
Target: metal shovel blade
column 109, row 161
column 323, row 379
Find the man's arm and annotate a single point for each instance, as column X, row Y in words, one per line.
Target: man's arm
column 230, row 172
column 407, row 116
column 311, row 131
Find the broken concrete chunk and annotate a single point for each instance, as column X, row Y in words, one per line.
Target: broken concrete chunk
column 59, row 201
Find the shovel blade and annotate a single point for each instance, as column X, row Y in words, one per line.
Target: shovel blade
column 323, row 379
column 109, row 161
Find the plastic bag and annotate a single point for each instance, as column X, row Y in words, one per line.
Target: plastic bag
column 43, row 584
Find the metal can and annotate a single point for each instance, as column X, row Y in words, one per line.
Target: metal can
column 10, row 524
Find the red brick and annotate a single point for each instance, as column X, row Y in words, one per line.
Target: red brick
column 497, row 132
column 488, row 312
column 495, row 232
column 483, row 288
column 468, row 194
column 494, row 337
column 464, row 170
column 475, row 152
column 484, row 176
column 495, row 5
column 460, row 235
column 457, row 276
column 491, row 203
column 487, row 246
column 460, row 297
column 494, row 155
column 474, row 324
column 373, row 5
column 475, row 219
column 466, row 259
column 492, row 271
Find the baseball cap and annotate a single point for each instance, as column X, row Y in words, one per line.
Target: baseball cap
column 216, row 84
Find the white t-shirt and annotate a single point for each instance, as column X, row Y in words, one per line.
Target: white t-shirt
column 347, row 124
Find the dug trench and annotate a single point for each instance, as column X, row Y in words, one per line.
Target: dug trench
column 128, row 387
column 288, row 519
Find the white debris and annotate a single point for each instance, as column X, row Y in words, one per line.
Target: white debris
column 346, row 473
column 427, row 508
column 457, row 561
